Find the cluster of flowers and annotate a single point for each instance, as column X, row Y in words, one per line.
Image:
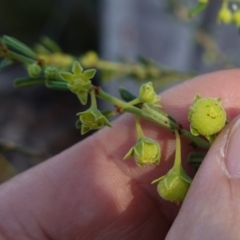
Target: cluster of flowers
column 228, row 16
column 206, row 115
column 229, row 12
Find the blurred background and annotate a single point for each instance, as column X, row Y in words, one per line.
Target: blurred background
column 43, row 119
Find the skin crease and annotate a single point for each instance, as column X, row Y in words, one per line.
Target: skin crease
column 89, row 192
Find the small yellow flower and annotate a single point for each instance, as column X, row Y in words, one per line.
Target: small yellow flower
column 174, row 185
column 146, row 151
column 148, row 95
column 90, row 59
column 207, row 116
column 92, row 119
column 34, row 70
column 224, row 15
column 236, row 18
column 51, row 73
column 79, row 81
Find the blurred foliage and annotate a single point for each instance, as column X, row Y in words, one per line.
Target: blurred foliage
column 28, row 20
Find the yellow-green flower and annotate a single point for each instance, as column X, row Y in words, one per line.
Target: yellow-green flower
column 34, row 70
column 51, row 73
column 92, row 119
column 79, row 82
column 89, row 59
column 224, row 15
column 236, row 18
column 174, row 185
column 146, row 151
column 148, row 95
column 207, row 116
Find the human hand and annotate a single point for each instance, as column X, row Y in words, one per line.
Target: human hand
column 89, row 192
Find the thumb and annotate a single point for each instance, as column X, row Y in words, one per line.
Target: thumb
column 211, row 209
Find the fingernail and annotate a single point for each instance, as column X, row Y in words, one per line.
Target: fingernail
column 232, row 150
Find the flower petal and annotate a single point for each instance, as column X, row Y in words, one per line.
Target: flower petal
column 77, row 68
column 84, row 129
column 67, row 76
column 83, row 97
column 89, row 74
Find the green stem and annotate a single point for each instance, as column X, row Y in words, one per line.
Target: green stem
column 135, row 101
column 93, row 98
column 117, row 102
column 139, row 69
column 154, row 115
column 11, row 146
column 177, row 161
column 140, row 133
column 109, row 113
column 200, row 142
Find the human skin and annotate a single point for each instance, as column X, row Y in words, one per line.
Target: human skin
column 89, row 191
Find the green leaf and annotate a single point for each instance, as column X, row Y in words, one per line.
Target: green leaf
column 57, row 85
column 19, row 46
column 5, row 63
column 195, row 159
column 27, row 82
column 126, row 95
column 200, row 7
column 50, row 44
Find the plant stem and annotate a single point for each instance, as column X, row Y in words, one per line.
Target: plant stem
column 154, row 115
column 177, row 161
column 93, row 98
column 11, row 146
column 200, row 142
column 140, row 133
column 117, row 102
column 135, row 101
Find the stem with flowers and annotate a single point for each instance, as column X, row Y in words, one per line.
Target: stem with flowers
column 146, row 105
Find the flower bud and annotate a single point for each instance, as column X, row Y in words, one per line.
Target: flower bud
column 174, row 185
column 92, row 119
column 207, row 116
column 146, row 151
column 51, row 73
column 224, row 15
column 90, row 59
column 148, row 95
column 34, row 70
column 236, row 18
